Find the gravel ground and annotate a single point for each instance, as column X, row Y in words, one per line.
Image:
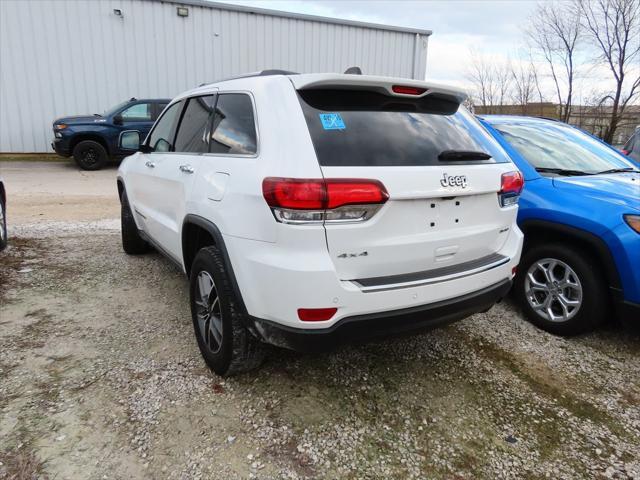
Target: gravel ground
column 100, row 377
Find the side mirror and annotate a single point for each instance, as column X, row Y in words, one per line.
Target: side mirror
column 117, row 120
column 129, row 140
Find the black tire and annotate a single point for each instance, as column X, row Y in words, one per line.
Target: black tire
column 3, row 225
column 132, row 242
column 594, row 299
column 238, row 351
column 90, row 155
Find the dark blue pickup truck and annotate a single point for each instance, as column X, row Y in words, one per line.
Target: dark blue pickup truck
column 93, row 139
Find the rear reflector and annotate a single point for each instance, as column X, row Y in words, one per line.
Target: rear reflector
column 406, row 90
column 316, row 314
column 321, row 194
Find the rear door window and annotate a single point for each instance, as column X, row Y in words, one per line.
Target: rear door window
column 234, row 129
column 195, row 125
column 365, row 128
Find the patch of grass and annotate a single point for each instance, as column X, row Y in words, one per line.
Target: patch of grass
column 560, row 390
column 20, row 250
column 22, row 464
column 31, row 157
column 547, row 386
column 34, row 334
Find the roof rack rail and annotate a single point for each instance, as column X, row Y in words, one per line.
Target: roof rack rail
column 542, row 117
column 262, row 73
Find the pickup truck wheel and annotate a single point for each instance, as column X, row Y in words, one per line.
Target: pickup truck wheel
column 226, row 345
column 3, row 226
column 132, row 242
column 90, row 155
column 561, row 290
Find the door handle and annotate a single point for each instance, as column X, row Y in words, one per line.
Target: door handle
column 150, row 164
column 186, row 168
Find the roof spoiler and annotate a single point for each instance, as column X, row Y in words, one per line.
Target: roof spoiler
column 394, row 87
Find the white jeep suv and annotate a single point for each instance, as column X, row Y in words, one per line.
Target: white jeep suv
column 307, row 210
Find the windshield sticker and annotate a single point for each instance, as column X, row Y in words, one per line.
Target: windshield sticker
column 332, row 121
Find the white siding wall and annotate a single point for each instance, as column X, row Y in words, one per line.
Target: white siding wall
column 66, row 57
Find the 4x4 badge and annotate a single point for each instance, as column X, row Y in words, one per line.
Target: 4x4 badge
column 454, row 181
column 353, row 255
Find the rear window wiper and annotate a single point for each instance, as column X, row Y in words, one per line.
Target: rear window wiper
column 462, row 155
column 562, row 171
column 617, row 170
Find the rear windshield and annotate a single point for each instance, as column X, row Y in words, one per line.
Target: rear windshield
column 364, row 128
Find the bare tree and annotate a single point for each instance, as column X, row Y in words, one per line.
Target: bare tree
column 536, row 82
column 613, row 27
column 491, row 80
column 502, row 72
column 481, row 75
column 555, row 32
column 524, row 84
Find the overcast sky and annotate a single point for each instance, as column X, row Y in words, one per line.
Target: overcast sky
column 461, row 29
column 492, row 27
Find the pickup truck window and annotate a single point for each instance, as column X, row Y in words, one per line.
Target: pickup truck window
column 138, row 112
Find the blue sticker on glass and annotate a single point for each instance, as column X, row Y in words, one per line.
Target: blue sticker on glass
column 332, row 121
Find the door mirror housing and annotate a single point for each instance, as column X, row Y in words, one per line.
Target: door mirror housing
column 117, row 120
column 129, row 140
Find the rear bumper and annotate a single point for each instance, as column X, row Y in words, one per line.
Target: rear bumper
column 275, row 279
column 380, row 324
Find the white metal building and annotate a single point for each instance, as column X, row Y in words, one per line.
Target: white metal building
column 65, row 57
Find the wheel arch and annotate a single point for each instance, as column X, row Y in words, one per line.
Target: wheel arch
column 536, row 231
column 120, row 184
column 198, row 232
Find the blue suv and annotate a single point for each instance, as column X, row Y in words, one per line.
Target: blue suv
column 93, row 139
column 580, row 213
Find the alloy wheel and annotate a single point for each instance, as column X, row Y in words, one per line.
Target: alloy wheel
column 90, row 156
column 553, row 290
column 208, row 312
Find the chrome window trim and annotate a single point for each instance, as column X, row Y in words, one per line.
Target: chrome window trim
column 255, row 124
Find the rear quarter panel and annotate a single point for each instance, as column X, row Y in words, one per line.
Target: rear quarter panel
column 284, row 150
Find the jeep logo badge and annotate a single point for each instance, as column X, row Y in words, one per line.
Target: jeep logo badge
column 454, row 181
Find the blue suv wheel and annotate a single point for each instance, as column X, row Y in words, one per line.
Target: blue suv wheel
column 560, row 289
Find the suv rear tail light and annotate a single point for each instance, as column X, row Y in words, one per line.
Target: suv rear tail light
column 332, row 200
column 406, row 90
column 510, row 188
